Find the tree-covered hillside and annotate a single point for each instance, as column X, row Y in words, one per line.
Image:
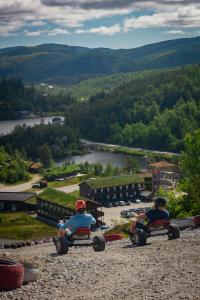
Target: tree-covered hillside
column 15, row 97
column 61, row 64
column 154, row 110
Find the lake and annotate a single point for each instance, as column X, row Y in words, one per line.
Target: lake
column 103, row 157
column 8, row 126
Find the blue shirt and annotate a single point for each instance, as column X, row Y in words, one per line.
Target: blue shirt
column 78, row 220
column 157, row 214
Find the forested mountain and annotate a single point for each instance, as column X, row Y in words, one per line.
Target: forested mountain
column 62, row 64
column 154, row 110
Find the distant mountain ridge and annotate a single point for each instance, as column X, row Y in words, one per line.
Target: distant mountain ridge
column 62, row 64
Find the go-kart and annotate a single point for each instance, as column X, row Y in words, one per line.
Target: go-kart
column 155, row 228
column 82, row 237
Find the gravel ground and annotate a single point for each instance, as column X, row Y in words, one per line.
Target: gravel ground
column 167, row 270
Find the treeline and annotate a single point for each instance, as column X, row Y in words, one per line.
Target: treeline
column 13, row 168
column 35, row 142
column 15, row 98
column 155, row 111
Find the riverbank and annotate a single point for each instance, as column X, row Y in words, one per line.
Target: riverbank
column 162, row 269
column 157, row 155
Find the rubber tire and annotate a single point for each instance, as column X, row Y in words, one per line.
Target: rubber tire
column 99, row 243
column 62, row 245
column 140, row 237
column 11, row 274
column 173, row 232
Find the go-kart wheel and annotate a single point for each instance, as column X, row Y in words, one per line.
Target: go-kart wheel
column 99, row 243
column 140, row 238
column 62, row 245
column 173, row 232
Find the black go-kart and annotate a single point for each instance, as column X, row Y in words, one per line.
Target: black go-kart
column 82, row 238
column 156, row 228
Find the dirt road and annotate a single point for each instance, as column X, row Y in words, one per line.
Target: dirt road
column 167, row 270
column 20, row 187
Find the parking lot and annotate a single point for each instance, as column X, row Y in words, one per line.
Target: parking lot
column 114, row 212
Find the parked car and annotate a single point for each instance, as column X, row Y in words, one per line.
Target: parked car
column 137, row 201
column 128, row 203
column 36, row 186
column 121, row 203
column 109, row 204
column 115, row 204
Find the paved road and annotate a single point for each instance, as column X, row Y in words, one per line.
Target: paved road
column 86, row 142
column 20, row 187
column 114, row 212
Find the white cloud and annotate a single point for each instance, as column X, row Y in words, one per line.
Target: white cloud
column 58, row 31
column 102, row 30
column 175, row 32
column 19, row 14
column 188, row 16
column 34, row 33
column 38, row 23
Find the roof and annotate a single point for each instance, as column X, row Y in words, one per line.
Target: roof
column 162, row 164
column 104, row 182
column 13, row 196
column 35, row 166
column 65, row 199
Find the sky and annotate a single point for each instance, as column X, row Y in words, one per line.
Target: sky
column 97, row 23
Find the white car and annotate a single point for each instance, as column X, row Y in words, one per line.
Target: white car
column 137, row 201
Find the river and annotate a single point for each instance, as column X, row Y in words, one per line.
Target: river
column 7, row 127
column 103, row 157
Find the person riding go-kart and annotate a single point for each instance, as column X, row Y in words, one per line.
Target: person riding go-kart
column 157, row 224
column 76, row 231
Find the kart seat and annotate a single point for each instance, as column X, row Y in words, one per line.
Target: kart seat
column 82, row 233
column 157, row 225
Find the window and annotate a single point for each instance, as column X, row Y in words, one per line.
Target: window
column 114, row 188
column 120, row 188
column 95, row 191
column 120, row 195
column 108, row 189
column 114, row 196
column 102, row 190
column 133, row 186
column 126, row 194
column 108, row 197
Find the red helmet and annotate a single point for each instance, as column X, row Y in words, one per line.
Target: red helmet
column 80, row 204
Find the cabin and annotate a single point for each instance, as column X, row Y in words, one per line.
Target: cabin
column 164, row 174
column 112, row 189
column 35, row 168
column 11, row 202
column 55, row 205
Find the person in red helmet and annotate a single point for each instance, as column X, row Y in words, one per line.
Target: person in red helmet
column 80, row 219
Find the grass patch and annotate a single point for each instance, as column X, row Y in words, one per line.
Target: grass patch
column 20, row 226
column 58, row 197
column 114, row 181
column 55, row 172
column 71, row 181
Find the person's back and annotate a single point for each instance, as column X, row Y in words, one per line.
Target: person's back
column 156, row 214
column 80, row 219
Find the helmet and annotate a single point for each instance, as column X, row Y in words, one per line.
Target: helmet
column 80, row 204
column 160, row 201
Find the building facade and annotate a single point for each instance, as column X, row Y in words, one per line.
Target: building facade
column 106, row 190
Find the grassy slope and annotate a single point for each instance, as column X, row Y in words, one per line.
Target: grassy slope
column 20, row 226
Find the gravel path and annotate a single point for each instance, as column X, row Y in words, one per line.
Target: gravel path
column 20, row 187
column 167, row 270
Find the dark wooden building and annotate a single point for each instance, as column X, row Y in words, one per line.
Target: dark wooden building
column 11, row 201
column 112, row 189
column 49, row 209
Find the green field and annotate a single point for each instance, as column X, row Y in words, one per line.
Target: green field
column 20, row 226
